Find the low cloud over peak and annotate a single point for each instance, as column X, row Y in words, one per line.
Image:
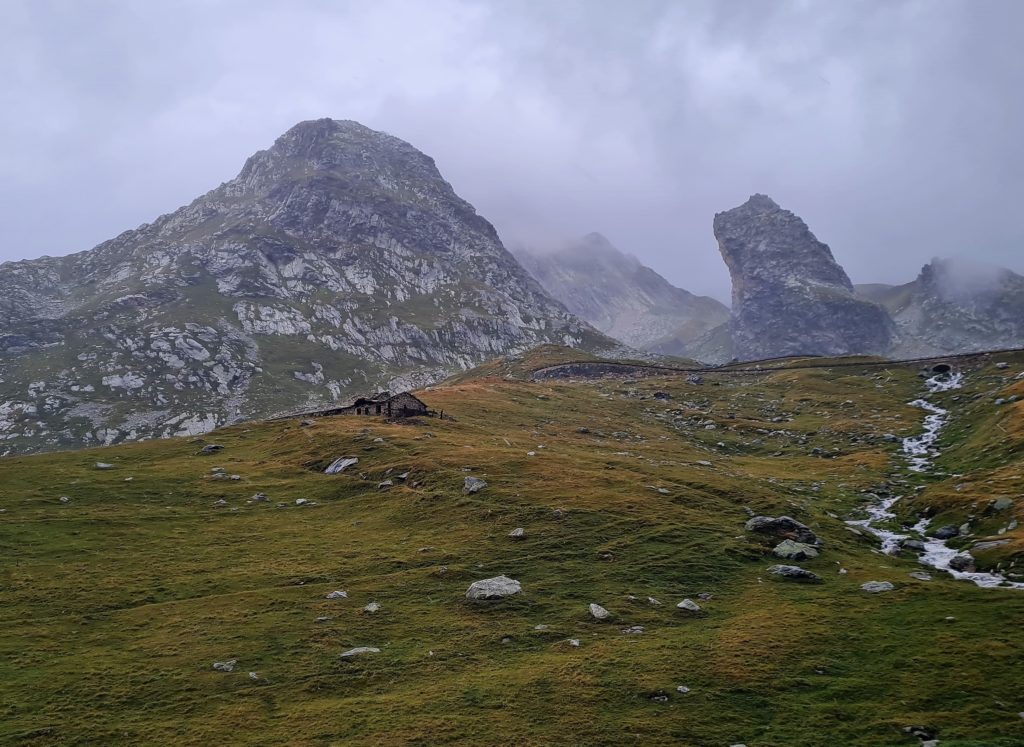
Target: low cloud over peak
column 891, row 128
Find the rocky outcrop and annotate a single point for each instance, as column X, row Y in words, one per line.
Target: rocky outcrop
column 621, row 297
column 790, row 296
column 337, row 261
column 954, row 306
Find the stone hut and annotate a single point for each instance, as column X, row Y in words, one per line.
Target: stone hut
column 402, row 405
column 383, row 404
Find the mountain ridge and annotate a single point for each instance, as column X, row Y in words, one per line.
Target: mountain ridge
column 619, row 295
column 338, row 260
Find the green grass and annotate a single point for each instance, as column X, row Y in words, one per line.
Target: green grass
column 116, row 604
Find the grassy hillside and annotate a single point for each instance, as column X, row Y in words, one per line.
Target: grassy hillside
column 116, row 603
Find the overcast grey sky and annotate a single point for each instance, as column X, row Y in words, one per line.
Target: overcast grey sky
column 894, row 129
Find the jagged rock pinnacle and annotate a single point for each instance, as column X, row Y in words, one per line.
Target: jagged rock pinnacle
column 790, row 296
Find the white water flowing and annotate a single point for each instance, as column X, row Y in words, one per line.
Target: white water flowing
column 920, row 450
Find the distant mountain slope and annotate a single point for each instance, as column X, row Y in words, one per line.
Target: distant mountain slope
column 954, row 305
column 336, row 261
column 622, row 297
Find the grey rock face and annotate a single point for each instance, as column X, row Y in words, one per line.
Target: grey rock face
column 782, row 527
column 340, row 465
column 688, row 605
column 473, row 485
column 963, row 563
column 1002, row 503
column 359, row 651
column 493, row 588
column 793, row 572
column 946, row 532
column 789, row 295
column 790, row 550
column 621, row 297
column 913, row 545
column 338, row 260
column 876, row 587
column 598, row 612
column 954, row 306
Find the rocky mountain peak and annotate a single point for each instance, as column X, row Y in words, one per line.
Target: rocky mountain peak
column 338, row 260
column 790, row 296
column 760, row 202
column 341, row 159
column 955, row 305
column 759, row 237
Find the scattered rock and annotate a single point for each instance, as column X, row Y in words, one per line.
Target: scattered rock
column 913, row 545
column 322, row 619
column 653, row 602
column 64, row 499
column 340, row 465
column 1002, row 365
column 688, row 605
column 104, row 465
column 253, row 676
column 876, row 587
column 517, row 534
column 982, row 546
column 790, row 550
column 220, row 502
column 259, row 498
column 225, row 666
column 358, row 651
column 1002, row 503
column 963, row 563
column 371, row 608
column 921, row 732
column 633, row 630
column 598, row 612
column 921, row 575
column 338, row 595
column 385, row 484
column 473, row 485
column 210, row 449
column 947, row 532
column 574, row 642
column 493, row 588
column 794, row 572
column 541, row 627
column 784, row 527
column 682, row 689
